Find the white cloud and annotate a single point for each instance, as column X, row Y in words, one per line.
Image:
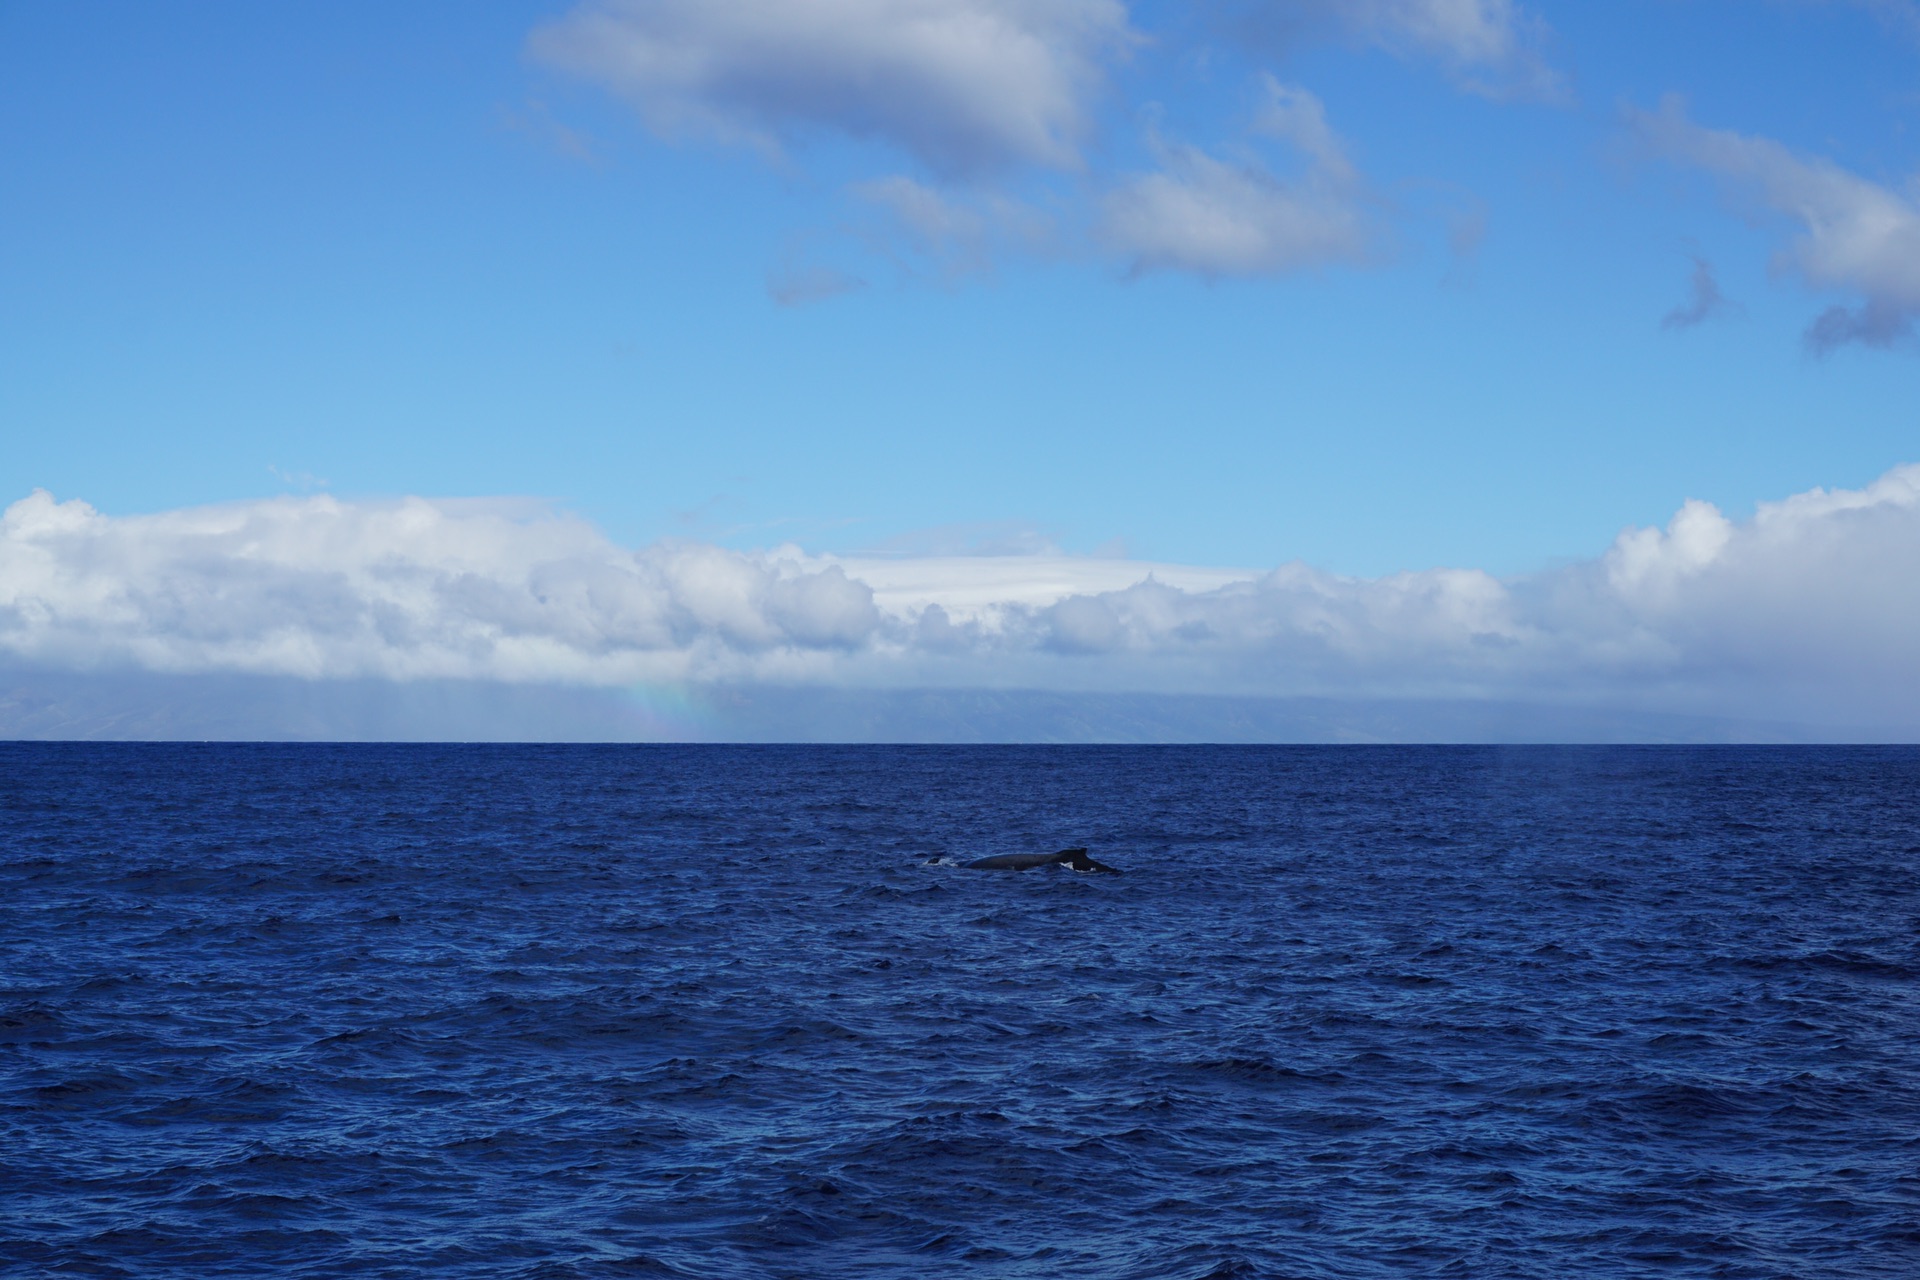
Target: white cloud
column 322, row 588
column 1489, row 44
column 997, row 102
column 1805, row 610
column 966, row 86
column 1856, row 236
column 1217, row 217
column 1814, row 593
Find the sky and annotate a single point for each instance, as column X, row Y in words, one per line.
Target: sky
column 1377, row 349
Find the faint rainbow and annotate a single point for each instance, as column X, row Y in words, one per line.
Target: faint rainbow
column 672, row 711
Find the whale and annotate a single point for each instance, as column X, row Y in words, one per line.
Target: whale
column 1075, row 859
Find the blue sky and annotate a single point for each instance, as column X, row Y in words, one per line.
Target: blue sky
column 1396, row 285
column 347, row 242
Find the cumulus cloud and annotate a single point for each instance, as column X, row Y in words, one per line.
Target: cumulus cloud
column 1489, row 47
column 1804, row 610
column 321, row 588
column 967, row 86
column 1235, row 217
column 1856, row 236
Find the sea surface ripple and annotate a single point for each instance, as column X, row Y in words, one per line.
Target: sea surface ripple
column 729, row 1012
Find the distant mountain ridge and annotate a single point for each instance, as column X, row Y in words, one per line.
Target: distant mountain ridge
column 138, row 706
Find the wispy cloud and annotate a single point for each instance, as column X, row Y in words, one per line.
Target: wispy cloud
column 1902, row 16
column 304, row 481
column 1704, row 302
column 537, row 122
column 1219, row 217
column 796, row 285
column 1856, row 236
column 956, row 231
column 1802, row 606
column 1488, row 47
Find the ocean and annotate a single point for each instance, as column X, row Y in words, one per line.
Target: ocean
column 734, row 1012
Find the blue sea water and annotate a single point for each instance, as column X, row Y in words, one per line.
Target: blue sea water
column 557, row 1012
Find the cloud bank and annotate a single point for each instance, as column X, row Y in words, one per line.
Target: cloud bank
column 1803, row 611
column 319, row 588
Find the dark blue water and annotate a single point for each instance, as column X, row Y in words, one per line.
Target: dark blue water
column 659, row 1011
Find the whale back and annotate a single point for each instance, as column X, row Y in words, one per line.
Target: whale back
column 1079, row 861
column 1076, row 859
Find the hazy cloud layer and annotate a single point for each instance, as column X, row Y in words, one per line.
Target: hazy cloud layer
column 1856, row 236
column 1805, row 609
